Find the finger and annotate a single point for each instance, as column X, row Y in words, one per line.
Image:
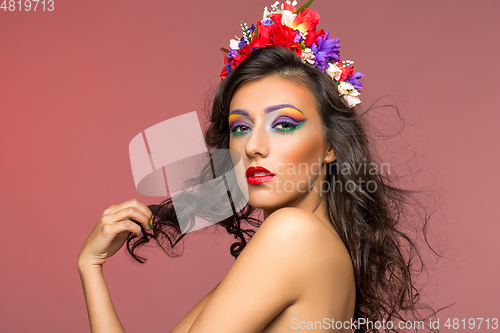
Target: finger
column 129, row 203
column 122, row 226
column 127, row 213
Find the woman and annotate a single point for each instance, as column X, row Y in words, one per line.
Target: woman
column 328, row 250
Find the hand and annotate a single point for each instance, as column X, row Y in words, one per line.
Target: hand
column 112, row 230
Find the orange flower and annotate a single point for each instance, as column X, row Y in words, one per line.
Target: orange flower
column 306, row 20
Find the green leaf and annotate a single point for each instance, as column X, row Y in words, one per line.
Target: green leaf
column 304, row 6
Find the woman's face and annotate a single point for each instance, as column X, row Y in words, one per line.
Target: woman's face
column 277, row 129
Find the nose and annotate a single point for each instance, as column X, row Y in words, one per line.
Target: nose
column 257, row 144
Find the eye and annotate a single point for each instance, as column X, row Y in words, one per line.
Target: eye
column 286, row 124
column 239, row 128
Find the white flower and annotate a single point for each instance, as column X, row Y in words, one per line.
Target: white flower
column 274, row 7
column 287, row 18
column 334, row 71
column 352, row 98
column 266, row 14
column 343, row 87
column 233, row 44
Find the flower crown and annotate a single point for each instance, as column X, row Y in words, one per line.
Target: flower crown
column 295, row 29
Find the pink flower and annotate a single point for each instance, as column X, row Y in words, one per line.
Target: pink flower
column 352, row 98
column 334, row 72
column 287, row 17
column 307, row 56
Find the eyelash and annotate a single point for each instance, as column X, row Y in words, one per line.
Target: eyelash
column 233, row 129
column 278, row 121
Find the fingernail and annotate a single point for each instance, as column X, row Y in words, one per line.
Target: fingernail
column 142, row 234
column 150, row 225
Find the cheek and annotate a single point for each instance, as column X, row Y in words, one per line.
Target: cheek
column 301, row 153
column 237, row 145
column 234, row 144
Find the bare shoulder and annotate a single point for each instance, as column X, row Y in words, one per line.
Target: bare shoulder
column 291, row 257
column 302, row 235
column 298, row 226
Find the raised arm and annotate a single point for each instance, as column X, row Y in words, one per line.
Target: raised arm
column 108, row 236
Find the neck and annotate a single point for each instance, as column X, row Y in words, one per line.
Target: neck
column 314, row 201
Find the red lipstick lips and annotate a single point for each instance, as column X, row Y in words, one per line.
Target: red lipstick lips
column 258, row 175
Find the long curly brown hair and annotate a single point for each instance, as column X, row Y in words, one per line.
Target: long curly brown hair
column 366, row 209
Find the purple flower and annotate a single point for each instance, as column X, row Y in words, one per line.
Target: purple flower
column 326, row 50
column 267, row 21
column 232, row 53
column 242, row 42
column 229, row 68
column 353, row 80
column 297, row 37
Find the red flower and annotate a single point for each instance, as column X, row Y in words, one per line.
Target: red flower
column 235, row 61
column 224, row 72
column 312, row 37
column 346, row 72
column 276, row 34
column 289, row 7
column 244, row 52
column 306, row 21
column 276, row 18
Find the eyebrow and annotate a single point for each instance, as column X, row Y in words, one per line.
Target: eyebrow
column 280, row 106
column 239, row 111
column 269, row 109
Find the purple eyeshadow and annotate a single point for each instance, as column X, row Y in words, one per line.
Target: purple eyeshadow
column 289, row 120
column 237, row 123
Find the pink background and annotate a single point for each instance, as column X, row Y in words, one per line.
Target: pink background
column 77, row 84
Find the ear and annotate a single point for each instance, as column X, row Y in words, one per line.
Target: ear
column 330, row 155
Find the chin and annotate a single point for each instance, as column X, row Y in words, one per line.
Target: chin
column 267, row 200
column 261, row 199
